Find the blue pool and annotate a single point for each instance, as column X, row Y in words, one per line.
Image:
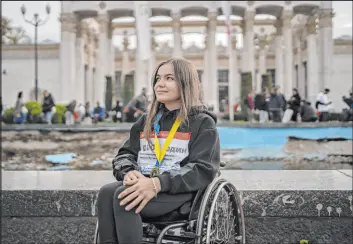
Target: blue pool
column 242, row 138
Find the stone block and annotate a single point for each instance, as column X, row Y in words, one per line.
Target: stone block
column 274, row 230
column 292, row 230
column 41, row 230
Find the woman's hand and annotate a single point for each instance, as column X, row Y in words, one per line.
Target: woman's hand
column 132, row 177
column 140, row 193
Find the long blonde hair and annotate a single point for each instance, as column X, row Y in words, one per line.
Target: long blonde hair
column 188, row 82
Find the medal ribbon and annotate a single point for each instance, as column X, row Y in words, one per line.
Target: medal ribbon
column 157, row 147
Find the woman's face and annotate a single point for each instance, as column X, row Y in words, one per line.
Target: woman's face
column 295, row 92
column 166, row 87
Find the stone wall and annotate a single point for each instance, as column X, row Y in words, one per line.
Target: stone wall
column 280, row 206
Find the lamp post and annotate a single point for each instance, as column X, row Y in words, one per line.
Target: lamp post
column 36, row 21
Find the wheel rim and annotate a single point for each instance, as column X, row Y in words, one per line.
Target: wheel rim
column 223, row 219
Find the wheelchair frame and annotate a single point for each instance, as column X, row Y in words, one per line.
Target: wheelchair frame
column 198, row 227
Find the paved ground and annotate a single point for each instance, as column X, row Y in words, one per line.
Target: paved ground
column 26, row 150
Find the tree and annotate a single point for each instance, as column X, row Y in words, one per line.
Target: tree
column 11, row 34
column 17, row 35
column 6, row 28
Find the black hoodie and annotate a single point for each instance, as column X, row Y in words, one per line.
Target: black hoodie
column 197, row 169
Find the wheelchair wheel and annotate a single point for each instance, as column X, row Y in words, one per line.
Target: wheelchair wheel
column 221, row 218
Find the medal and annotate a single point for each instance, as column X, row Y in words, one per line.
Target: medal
column 155, row 171
column 157, row 147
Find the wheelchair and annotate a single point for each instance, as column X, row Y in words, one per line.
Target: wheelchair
column 214, row 216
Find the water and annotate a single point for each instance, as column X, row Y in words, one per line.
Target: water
column 262, row 148
column 240, row 138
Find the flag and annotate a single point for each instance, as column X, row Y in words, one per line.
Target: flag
column 143, row 29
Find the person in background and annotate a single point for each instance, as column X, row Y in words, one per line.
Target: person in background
column 250, row 105
column 69, row 114
column 135, row 107
column 81, row 112
column 261, row 104
column 98, row 114
column 87, row 109
column 347, row 114
column 349, row 100
column 294, row 104
column 322, row 105
column 307, row 112
column 276, row 105
column 47, row 106
column 19, row 113
column 118, row 112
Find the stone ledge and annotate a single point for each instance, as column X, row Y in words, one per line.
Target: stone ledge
column 77, row 230
column 255, row 203
column 127, row 126
column 244, row 180
column 279, row 193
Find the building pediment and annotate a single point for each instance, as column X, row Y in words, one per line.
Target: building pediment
column 193, row 49
column 164, row 49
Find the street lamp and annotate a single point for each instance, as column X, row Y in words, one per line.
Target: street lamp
column 36, row 21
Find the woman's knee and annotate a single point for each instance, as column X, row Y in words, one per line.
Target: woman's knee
column 117, row 192
column 107, row 191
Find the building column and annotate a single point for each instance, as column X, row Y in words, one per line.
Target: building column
column 233, row 78
column 152, row 65
column 102, row 61
column 248, row 56
column 279, row 54
column 205, row 78
column 125, row 69
column 288, row 54
column 89, row 76
column 312, row 61
column 111, row 60
column 262, row 61
column 67, row 56
column 212, row 58
column 177, row 49
column 235, row 67
column 79, row 88
column 141, row 72
column 300, row 83
column 326, row 44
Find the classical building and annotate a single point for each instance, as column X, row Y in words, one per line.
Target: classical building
column 294, row 44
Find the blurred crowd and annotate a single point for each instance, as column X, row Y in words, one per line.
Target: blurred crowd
column 267, row 106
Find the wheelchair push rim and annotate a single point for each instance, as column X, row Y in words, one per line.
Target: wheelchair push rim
column 221, row 218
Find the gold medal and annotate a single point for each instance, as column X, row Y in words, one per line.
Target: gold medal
column 155, row 171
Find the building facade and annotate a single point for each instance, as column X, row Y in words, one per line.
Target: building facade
column 294, row 45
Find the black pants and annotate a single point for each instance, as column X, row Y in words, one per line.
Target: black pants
column 324, row 116
column 116, row 225
column 313, row 119
column 276, row 116
column 129, row 117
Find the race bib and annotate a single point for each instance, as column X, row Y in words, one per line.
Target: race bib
column 176, row 152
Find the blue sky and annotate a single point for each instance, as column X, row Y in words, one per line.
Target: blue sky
column 51, row 30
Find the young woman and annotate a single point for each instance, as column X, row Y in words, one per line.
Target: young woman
column 183, row 134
